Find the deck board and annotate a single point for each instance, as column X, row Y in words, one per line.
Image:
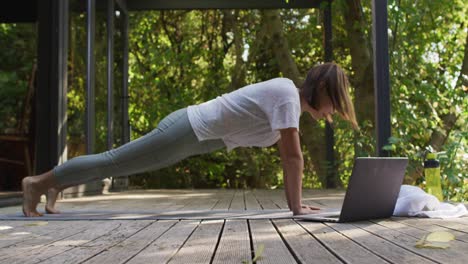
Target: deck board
column 238, row 201
column 343, row 247
column 407, row 238
column 130, row 247
column 87, row 251
column 425, row 226
column 164, row 247
column 305, row 247
column 201, row 245
column 251, row 202
column 274, row 249
column 387, row 250
column 234, row 245
column 34, row 254
column 228, row 240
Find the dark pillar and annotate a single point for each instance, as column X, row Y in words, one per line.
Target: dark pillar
column 51, row 93
column 90, row 74
column 125, row 97
column 121, row 183
column 110, row 72
column 329, row 134
column 381, row 74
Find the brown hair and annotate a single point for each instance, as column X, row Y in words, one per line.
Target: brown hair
column 330, row 79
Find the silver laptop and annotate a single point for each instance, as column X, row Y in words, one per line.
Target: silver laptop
column 372, row 191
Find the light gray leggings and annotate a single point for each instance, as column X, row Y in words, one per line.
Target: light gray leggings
column 172, row 141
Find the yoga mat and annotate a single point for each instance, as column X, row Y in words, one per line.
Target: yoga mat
column 155, row 215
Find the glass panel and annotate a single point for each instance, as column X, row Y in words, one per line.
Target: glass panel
column 18, row 53
column 76, row 115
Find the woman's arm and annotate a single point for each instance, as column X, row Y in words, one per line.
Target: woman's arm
column 293, row 165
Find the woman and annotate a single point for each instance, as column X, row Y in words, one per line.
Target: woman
column 260, row 115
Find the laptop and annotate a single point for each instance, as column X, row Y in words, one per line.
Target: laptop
column 372, row 191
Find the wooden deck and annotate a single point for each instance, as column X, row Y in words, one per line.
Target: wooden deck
column 221, row 241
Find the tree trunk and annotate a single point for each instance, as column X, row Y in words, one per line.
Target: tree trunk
column 239, row 72
column 363, row 78
column 312, row 136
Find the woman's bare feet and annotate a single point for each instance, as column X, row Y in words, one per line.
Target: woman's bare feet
column 52, row 195
column 32, row 191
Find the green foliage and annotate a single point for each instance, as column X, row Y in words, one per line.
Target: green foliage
column 454, row 179
column 18, row 43
column 426, row 57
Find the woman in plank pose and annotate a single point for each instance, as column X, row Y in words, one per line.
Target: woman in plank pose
column 259, row 114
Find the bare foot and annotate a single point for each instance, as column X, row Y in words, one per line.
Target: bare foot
column 52, row 195
column 31, row 196
column 310, row 207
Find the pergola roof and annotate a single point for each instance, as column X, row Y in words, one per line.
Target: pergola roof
column 18, row 11
column 135, row 5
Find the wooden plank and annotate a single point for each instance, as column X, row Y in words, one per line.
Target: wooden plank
column 225, row 201
column 379, row 246
column 264, row 200
column 461, row 220
column 7, row 226
column 33, row 230
column 456, row 253
column 21, row 242
column 342, row 246
column 182, row 201
column 212, row 200
column 323, row 198
column 305, row 247
column 251, row 202
column 402, row 225
column 163, row 248
column 176, row 199
column 234, row 246
column 40, row 253
column 275, row 251
column 201, row 245
column 279, row 198
column 84, row 252
column 130, row 247
column 453, row 225
column 204, row 200
column 238, row 201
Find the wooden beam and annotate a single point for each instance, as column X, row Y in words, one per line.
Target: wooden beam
column 136, row 5
column 19, row 11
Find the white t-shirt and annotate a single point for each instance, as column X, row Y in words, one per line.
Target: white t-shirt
column 249, row 116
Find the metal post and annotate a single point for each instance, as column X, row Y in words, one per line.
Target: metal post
column 110, row 72
column 125, row 121
column 51, row 91
column 381, row 74
column 62, row 80
column 329, row 133
column 90, row 74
